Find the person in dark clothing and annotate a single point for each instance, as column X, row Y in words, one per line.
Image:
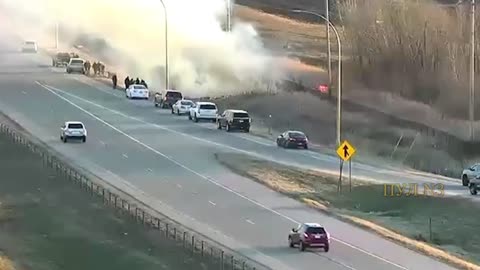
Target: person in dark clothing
column 142, row 82
column 132, row 81
column 95, row 67
column 89, row 65
column 127, row 82
column 101, row 68
column 137, row 81
column 114, row 81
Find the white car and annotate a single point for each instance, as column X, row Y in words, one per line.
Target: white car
column 182, row 106
column 203, row 110
column 76, row 65
column 73, row 130
column 137, row 91
column 30, row 46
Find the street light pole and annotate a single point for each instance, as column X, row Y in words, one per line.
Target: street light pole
column 167, row 84
column 472, row 72
column 339, row 72
column 56, row 35
column 329, row 52
column 229, row 15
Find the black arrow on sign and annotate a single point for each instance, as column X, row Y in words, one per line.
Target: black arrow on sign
column 345, row 151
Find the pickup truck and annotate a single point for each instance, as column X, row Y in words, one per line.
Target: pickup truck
column 61, row 59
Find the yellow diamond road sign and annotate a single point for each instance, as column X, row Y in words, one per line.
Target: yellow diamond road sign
column 345, row 151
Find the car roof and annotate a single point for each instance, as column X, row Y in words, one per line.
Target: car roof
column 135, row 84
column 205, row 103
column 73, row 122
column 237, row 111
column 174, row 91
column 187, row 100
column 295, row 131
column 313, row 225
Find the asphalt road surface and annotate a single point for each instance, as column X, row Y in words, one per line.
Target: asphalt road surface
column 170, row 161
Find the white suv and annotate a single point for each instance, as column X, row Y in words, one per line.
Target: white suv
column 203, row 110
column 73, row 130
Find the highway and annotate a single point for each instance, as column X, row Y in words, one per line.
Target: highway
column 171, row 160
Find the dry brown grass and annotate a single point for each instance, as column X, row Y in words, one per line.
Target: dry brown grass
column 294, row 182
column 6, row 264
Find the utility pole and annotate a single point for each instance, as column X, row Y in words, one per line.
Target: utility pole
column 56, row 35
column 229, row 15
column 329, row 52
column 472, row 72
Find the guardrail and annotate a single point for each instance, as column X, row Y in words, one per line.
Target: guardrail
column 196, row 243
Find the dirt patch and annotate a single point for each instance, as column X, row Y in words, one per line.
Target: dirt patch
column 46, row 222
column 404, row 219
column 5, row 263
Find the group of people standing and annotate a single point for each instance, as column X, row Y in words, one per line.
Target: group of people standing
column 98, row 68
column 128, row 81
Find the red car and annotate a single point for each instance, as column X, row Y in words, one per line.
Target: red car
column 309, row 235
column 292, row 139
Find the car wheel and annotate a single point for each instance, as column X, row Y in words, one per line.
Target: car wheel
column 173, row 111
column 247, row 130
column 290, row 243
column 189, row 116
column 64, row 139
column 156, row 105
column 473, row 189
column 326, row 248
column 195, row 118
column 301, row 246
column 61, row 138
column 84, row 139
column 465, row 181
column 305, row 146
column 219, row 126
column 285, row 145
column 178, row 112
column 228, row 128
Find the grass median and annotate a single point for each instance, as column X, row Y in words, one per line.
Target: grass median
column 404, row 219
column 46, row 222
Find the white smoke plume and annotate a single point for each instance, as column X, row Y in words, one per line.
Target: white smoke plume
column 203, row 58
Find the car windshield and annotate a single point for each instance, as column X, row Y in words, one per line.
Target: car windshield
column 30, row 43
column 77, row 62
column 208, row 107
column 316, row 230
column 139, row 87
column 174, row 95
column 75, row 126
column 296, row 135
column 240, row 115
column 187, row 103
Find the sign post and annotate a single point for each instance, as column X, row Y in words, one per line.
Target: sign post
column 345, row 151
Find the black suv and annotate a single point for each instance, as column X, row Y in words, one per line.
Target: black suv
column 234, row 119
column 170, row 98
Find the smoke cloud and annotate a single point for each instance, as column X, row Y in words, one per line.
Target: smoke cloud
column 203, row 58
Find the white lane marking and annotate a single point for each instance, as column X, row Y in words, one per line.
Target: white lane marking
column 249, row 221
column 23, row 92
column 212, row 203
column 125, row 155
column 103, row 143
column 179, row 186
column 149, row 170
column 211, row 180
column 98, row 88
